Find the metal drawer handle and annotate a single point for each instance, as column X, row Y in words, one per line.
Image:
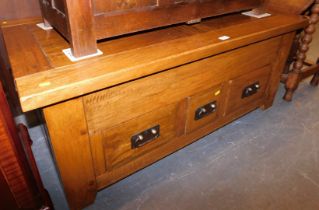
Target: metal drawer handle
column 144, row 137
column 250, row 90
column 205, row 110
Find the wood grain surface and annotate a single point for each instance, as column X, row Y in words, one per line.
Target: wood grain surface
column 124, row 61
column 71, row 144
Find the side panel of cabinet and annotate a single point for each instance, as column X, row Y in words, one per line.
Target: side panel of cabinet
column 71, row 145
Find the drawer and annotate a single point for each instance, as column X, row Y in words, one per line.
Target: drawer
column 204, row 108
column 126, row 142
column 124, row 102
column 247, row 89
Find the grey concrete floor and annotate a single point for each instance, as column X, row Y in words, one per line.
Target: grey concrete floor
column 265, row 160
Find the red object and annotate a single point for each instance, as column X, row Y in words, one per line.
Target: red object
column 20, row 183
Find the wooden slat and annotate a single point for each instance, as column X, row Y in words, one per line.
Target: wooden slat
column 61, row 83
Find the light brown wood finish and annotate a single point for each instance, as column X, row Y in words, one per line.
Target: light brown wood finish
column 178, row 84
column 24, row 40
column 71, row 145
column 67, row 80
column 202, row 98
column 111, row 122
column 117, row 140
column 79, row 17
column 278, row 66
column 95, row 106
column 237, row 85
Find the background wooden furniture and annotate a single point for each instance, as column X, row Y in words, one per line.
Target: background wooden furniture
column 96, row 109
column 299, row 72
column 20, row 183
column 84, row 22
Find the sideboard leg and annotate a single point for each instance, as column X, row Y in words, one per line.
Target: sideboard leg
column 70, row 142
column 294, row 77
column 282, row 55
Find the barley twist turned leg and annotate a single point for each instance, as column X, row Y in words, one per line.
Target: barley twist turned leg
column 294, row 77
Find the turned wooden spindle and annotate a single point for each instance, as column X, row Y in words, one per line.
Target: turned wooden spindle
column 294, row 77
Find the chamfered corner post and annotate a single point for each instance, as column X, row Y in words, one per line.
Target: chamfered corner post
column 80, row 22
column 294, row 76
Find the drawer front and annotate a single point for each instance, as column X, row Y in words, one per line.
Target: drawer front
column 119, row 104
column 247, row 89
column 129, row 141
column 204, row 108
column 170, row 99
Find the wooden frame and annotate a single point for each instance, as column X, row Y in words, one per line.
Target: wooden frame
column 83, row 22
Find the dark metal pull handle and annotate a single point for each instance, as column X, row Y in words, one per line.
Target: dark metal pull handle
column 146, row 136
column 205, row 110
column 251, row 90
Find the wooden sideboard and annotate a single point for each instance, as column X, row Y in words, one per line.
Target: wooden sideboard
column 148, row 95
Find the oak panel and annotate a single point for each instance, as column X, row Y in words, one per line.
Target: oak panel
column 117, row 140
column 173, row 85
column 200, row 99
column 237, row 86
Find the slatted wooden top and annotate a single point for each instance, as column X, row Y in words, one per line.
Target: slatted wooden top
column 44, row 75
